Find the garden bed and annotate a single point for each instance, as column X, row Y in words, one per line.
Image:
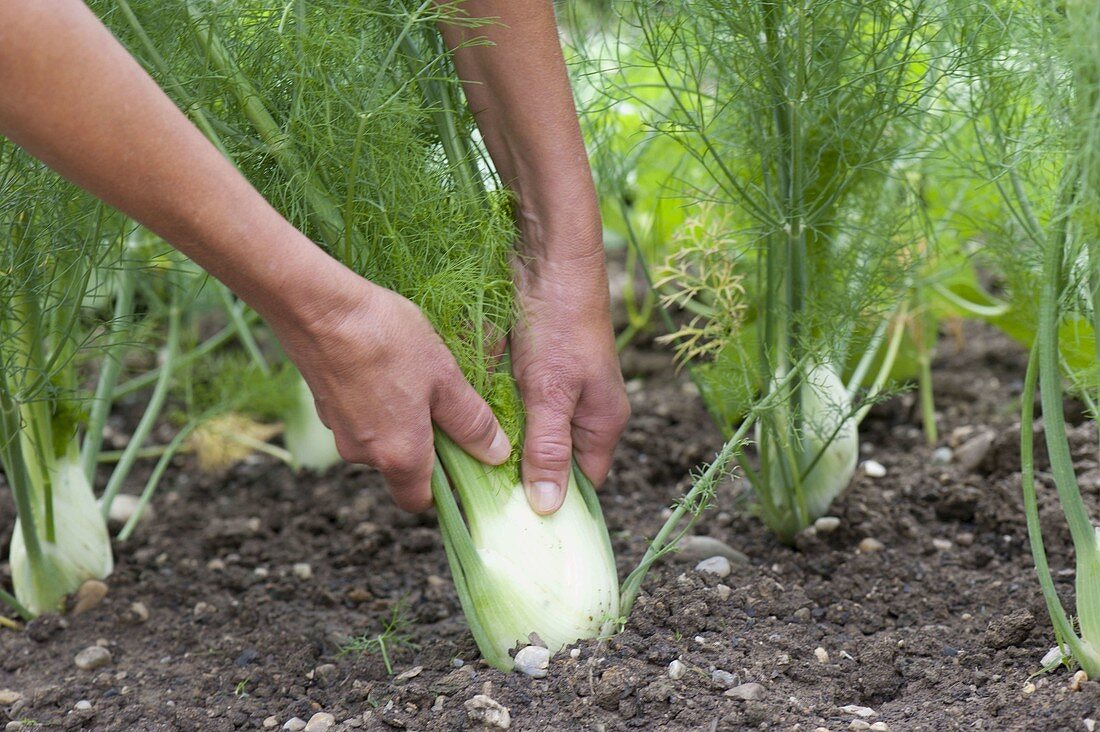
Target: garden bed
column 921, row 605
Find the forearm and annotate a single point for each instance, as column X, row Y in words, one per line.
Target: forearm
column 518, row 89
column 73, row 97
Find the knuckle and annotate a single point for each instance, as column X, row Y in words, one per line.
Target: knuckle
column 550, row 453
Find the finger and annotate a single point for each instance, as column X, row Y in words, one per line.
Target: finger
column 598, row 423
column 407, row 468
column 460, row 411
column 406, row 465
column 547, row 453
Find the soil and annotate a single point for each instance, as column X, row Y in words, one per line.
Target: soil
column 940, row 629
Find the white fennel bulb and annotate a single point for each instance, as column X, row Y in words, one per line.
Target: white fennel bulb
column 519, row 573
column 311, row 444
column 81, row 549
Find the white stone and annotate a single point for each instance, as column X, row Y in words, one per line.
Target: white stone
column 874, row 469
column 83, row 704
column 320, row 722
column 880, row 727
column 294, row 724
column 92, row 657
column 1078, row 678
column 534, row 661
column 574, row 652
column 858, row 725
column 826, row 524
column 302, row 571
column 719, row 566
column 271, row 722
column 821, row 654
column 9, row 697
column 870, row 545
column 942, row 545
column 859, row 711
column 676, row 670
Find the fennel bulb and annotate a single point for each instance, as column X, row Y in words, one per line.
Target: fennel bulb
column 810, row 457
column 81, row 549
column 519, row 573
column 312, row 445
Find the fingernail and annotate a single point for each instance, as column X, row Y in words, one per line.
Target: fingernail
column 501, row 449
column 543, row 496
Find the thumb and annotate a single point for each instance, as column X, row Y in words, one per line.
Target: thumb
column 460, row 411
column 547, row 456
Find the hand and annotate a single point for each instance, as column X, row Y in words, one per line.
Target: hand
column 564, row 359
column 380, row 376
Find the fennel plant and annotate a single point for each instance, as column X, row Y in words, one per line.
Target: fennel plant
column 799, row 121
column 73, row 273
column 1036, row 98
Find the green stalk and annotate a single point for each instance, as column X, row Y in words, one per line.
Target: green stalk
column 9, row 600
column 152, row 410
column 108, row 375
column 169, row 452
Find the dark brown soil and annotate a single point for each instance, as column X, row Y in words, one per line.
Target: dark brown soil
column 938, row 630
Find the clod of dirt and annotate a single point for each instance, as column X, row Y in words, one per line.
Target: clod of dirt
column 1009, row 630
column 751, row 691
column 971, row 453
column 485, row 711
column 695, row 548
column 614, row 684
column 88, row 595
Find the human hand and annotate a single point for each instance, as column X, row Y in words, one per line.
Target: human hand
column 565, row 362
column 380, row 376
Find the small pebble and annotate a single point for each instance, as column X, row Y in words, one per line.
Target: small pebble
column 303, row 571
column 574, row 652
column 723, row 591
column 1029, row 688
column 294, row 724
column 484, row 710
column 92, row 657
column 880, row 727
column 964, row 538
column 457, row 662
column 271, row 722
column 859, row 724
column 746, row 692
column 215, row 565
column 1090, row 724
column 82, row 705
column 437, row 705
column 942, row 545
column 88, row 595
column 1078, row 678
column 676, row 670
column 139, row 613
column 874, row 469
column 942, row 456
column 261, row 572
column 533, row 661
column 870, row 545
column 320, row 722
column 821, row 654
column 725, row 678
column 14, row 726
column 971, row 453
column 859, row 711
column 9, row 697
column 827, row 524
column 719, row 566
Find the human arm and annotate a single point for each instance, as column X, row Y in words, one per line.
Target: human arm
column 562, row 348
column 73, row 97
